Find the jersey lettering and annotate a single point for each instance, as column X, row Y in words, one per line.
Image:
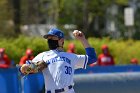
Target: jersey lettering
column 57, row 59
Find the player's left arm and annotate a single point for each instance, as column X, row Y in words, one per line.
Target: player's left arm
column 34, row 66
column 90, row 52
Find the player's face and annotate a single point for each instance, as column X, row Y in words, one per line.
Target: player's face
column 1, row 55
column 106, row 51
column 60, row 41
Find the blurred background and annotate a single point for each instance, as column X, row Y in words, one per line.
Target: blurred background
column 115, row 23
column 112, row 22
column 113, row 18
column 109, row 25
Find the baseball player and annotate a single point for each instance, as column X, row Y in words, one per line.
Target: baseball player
column 58, row 66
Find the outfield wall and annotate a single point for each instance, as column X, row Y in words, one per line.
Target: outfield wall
column 108, row 83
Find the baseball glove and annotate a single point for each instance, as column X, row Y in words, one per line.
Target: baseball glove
column 33, row 67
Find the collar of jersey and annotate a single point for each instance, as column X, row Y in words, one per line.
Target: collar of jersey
column 59, row 50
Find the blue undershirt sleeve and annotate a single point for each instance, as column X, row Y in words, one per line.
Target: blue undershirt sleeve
column 90, row 52
column 20, row 73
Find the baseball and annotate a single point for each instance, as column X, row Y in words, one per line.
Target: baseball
column 76, row 32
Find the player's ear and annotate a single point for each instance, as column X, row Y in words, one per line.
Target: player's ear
column 62, row 41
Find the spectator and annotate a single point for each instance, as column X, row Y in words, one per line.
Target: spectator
column 28, row 56
column 134, row 61
column 4, row 60
column 105, row 59
column 71, row 48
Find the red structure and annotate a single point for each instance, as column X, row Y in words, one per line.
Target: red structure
column 4, row 60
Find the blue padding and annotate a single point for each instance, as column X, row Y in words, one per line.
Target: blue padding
column 9, row 82
column 109, row 69
column 33, row 83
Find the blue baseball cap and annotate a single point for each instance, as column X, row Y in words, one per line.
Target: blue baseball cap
column 54, row 32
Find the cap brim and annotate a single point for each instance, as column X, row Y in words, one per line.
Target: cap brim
column 46, row 36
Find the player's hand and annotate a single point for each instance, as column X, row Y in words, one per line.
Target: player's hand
column 78, row 35
column 41, row 65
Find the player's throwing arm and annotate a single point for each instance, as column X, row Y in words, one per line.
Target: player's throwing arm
column 89, row 50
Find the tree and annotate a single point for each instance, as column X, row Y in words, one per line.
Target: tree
column 16, row 16
column 6, row 22
column 89, row 16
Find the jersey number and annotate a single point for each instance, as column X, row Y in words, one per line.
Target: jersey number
column 68, row 70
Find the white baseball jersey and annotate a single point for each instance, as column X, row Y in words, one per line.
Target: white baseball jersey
column 60, row 71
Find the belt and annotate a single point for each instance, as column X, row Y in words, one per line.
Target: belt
column 61, row 90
